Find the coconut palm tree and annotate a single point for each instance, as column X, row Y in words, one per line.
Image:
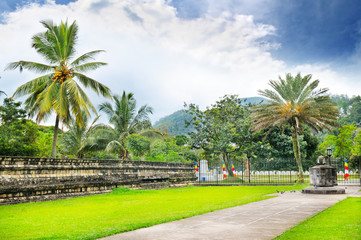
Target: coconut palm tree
column 294, row 101
column 58, row 90
column 126, row 120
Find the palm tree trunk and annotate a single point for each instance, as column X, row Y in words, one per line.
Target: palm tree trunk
column 297, row 153
column 55, row 138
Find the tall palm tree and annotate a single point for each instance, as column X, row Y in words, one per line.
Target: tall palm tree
column 295, row 102
column 126, row 120
column 58, row 90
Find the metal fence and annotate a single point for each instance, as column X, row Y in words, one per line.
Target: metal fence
column 247, row 174
column 243, row 174
column 353, row 172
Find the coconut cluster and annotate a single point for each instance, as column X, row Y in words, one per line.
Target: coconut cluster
column 62, row 74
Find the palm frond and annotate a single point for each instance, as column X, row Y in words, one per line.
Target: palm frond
column 114, row 146
column 85, row 57
column 78, row 101
column 93, row 84
column 45, row 99
column 89, row 66
column 32, row 66
column 107, row 108
column 152, row 134
column 35, row 85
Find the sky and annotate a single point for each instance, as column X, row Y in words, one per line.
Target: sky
column 171, row 52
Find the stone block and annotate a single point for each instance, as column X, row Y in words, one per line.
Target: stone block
column 323, row 190
column 323, row 176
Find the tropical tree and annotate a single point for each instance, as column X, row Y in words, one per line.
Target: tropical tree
column 43, row 143
column 346, row 144
column 222, row 129
column 58, row 90
column 351, row 109
column 294, row 101
column 181, row 140
column 355, row 110
column 11, row 111
column 126, row 120
column 17, row 135
column 166, row 150
column 137, row 145
column 356, row 150
column 79, row 139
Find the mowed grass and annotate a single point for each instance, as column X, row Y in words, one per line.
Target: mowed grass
column 122, row 210
column 341, row 221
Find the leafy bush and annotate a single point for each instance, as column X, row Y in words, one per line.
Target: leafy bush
column 137, row 145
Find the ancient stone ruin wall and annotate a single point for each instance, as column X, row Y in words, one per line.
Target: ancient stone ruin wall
column 24, row 179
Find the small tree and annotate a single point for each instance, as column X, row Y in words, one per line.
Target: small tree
column 166, row 151
column 137, row 145
column 79, row 140
column 181, row 140
column 126, row 120
column 347, row 144
column 356, row 149
column 223, row 129
column 17, row 135
column 10, row 111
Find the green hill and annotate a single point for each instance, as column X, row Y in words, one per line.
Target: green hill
column 175, row 123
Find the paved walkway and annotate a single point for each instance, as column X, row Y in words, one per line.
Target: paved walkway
column 259, row 220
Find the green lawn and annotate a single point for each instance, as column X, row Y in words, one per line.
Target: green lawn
column 342, row 221
column 122, row 210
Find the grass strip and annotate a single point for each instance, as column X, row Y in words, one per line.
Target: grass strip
column 122, row 210
column 341, row 221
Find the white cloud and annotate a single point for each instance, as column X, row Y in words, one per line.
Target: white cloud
column 163, row 59
column 336, row 82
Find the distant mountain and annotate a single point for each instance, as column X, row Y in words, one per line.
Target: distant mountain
column 175, row 123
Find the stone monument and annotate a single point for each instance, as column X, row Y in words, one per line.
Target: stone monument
column 323, row 178
column 203, row 170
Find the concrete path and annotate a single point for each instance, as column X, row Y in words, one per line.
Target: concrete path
column 265, row 219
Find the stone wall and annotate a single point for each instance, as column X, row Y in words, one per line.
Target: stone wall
column 24, row 179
